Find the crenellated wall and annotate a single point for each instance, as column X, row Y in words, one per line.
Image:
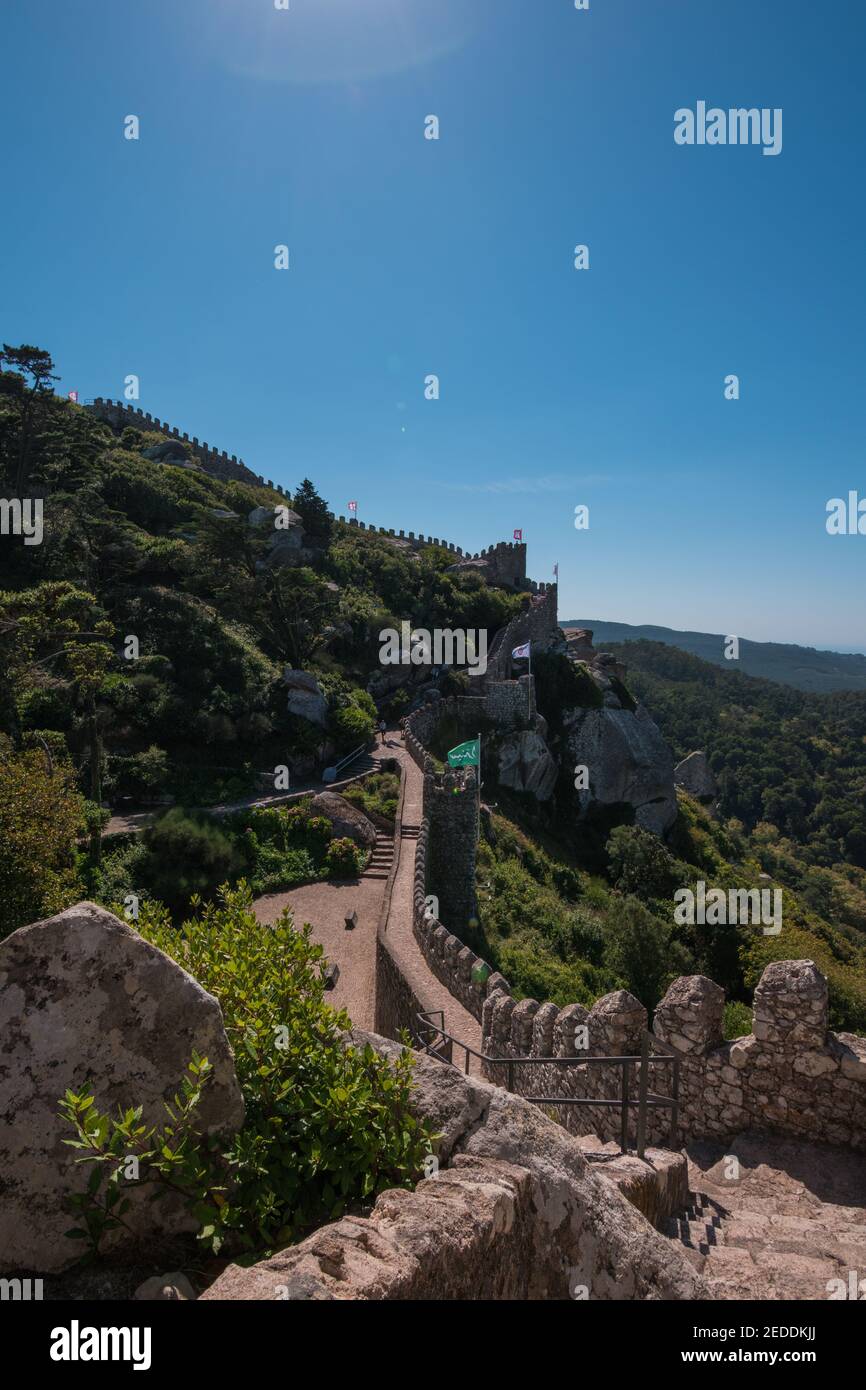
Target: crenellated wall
column 221, row 465
column 790, row 1075
column 538, row 623
column 506, row 560
column 447, row 839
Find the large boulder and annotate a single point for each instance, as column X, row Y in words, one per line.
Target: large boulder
column 628, row 763
column 345, row 818
column 515, row 1211
column 526, row 764
column 695, row 776
column 172, row 451
column 87, row 1003
column 305, row 697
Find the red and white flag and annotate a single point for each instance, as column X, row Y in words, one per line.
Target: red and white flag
column 353, row 506
column 518, row 535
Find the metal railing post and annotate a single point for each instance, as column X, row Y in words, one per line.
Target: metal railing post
column 643, row 1086
column 623, row 1131
column 675, row 1108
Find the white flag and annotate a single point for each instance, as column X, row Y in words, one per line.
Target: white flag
column 520, row 652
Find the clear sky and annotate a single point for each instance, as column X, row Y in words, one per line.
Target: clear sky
column 411, row 256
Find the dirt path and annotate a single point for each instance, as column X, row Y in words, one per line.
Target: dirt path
column 784, row 1223
column 325, row 905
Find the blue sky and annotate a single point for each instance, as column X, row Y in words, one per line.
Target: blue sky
column 454, row 257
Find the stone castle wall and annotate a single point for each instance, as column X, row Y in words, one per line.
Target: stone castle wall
column 447, row 842
column 538, row 623
column 791, row 1074
column 227, row 467
column 506, row 560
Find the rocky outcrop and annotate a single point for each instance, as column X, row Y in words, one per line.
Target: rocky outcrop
column 628, row 763
column 305, row 697
column 517, row 1213
column 172, row 451
column 289, row 544
column 695, row 776
column 346, row 819
column 85, row 1002
column 525, row 764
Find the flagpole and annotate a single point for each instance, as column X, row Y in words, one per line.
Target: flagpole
column 478, row 784
column 529, row 690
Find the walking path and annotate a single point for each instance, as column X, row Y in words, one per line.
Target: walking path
column 400, row 935
column 326, row 905
column 132, row 822
column 792, row 1221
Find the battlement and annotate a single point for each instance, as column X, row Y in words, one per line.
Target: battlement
column 218, row 463
column 791, row 1074
column 505, row 560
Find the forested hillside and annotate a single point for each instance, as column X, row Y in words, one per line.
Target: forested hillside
column 805, row 668
column 196, row 712
column 795, row 760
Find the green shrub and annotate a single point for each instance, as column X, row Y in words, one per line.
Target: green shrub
column 343, row 858
column 328, row 1125
column 187, row 856
column 350, row 726
column 379, row 793
column 639, row 863
column 642, row 951
column 738, row 1020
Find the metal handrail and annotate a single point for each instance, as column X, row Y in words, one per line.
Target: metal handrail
column 646, row 1100
column 344, row 762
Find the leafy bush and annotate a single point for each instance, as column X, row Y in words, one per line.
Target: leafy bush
column 187, row 856
column 351, row 724
column 738, row 1020
column 639, row 863
column 643, row 952
column 40, row 816
column 379, row 793
column 328, row 1125
column 343, row 858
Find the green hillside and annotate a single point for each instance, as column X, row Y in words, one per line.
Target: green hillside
column 165, row 554
column 802, row 667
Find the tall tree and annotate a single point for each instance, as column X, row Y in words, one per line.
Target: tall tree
column 35, row 367
column 313, row 511
column 59, row 628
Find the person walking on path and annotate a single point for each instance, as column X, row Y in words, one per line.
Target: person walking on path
column 382, row 727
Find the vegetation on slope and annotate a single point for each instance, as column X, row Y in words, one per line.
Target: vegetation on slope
column 558, row 930
column 165, row 554
column 328, row 1125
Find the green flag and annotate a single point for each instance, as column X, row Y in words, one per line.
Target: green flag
column 465, row 754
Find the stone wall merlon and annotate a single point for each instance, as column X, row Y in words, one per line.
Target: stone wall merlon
column 790, row 1075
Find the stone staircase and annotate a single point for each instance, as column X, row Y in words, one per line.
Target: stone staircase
column 792, row 1222
column 382, row 856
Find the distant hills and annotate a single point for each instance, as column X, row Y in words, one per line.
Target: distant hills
column 804, row 668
